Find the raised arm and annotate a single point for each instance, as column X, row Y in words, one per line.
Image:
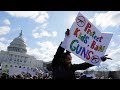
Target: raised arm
column 82, row 66
column 60, row 51
column 85, row 65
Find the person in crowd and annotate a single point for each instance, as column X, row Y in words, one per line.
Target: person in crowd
column 61, row 64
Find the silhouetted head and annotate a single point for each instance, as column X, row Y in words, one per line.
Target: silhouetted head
column 67, row 58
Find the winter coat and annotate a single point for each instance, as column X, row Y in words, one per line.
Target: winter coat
column 60, row 71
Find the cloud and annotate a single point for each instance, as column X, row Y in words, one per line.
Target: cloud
column 113, row 44
column 3, row 46
column 91, row 20
column 115, row 54
column 40, row 32
column 118, row 36
column 40, row 28
column 45, row 52
column 110, row 18
column 44, row 34
column 4, row 30
column 54, row 33
column 114, row 64
column 4, row 43
column 41, row 17
column 70, row 20
column 5, row 40
column 25, row 39
column 2, row 39
column 110, row 65
column 37, row 16
column 6, row 22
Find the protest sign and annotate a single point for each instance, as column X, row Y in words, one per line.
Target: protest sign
column 86, row 41
column 106, row 40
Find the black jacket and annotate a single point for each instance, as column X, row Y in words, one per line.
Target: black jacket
column 60, row 71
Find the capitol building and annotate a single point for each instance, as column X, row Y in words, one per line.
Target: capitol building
column 16, row 61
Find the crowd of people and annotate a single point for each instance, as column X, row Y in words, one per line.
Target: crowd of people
column 92, row 76
column 40, row 74
column 25, row 76
column 48, row 76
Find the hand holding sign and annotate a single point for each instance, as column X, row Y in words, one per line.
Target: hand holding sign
column 104, row 58
column 67, row 33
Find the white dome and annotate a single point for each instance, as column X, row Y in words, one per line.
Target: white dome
column 18, row 45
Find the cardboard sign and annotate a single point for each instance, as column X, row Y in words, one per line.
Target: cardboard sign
column 86, row 41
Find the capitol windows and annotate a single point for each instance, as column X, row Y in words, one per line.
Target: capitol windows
column 34, row 70
column 24, row 61
column 10, row 59
column 13, row 49
column 20, row 60
column 15, row 66
column 19, row 66
column 6, row 66
column 10, row 65
column 25, row 57
column 16, row 56
column 11, row 55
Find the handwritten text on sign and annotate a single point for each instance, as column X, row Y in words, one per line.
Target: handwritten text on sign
column 86, row 41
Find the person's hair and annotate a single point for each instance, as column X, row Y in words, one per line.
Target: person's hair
column 65, row 54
